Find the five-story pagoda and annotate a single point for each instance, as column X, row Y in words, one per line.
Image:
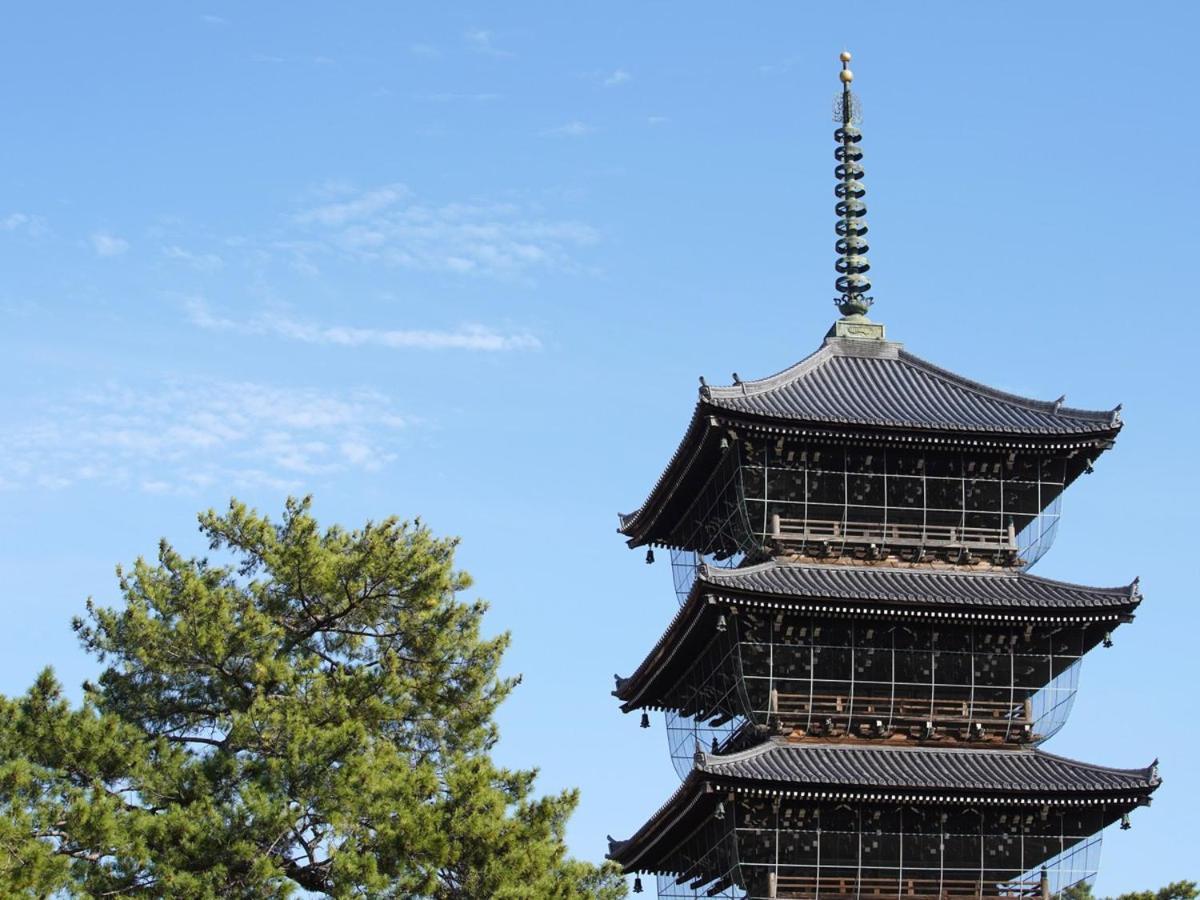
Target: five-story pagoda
column 861, row 669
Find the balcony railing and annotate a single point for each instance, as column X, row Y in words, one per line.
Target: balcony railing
column 839, row 715
column 823, row 537
column 836, row 887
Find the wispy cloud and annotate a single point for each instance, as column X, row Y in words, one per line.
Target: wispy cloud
column 617, row 77
column 778, row 68
column 210, row 19
column 190, row 435
column 358, row 207
column 24, row 223
column 469, row 337
column 481, row 41
column 452, row 97
column 429, row 51
column 572, row 129
column 203, row 262
column 655, row 121
column 387, row 225
column 108, row 245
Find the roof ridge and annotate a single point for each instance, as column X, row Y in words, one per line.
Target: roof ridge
column 1097, row 767
column 757, row 385
column 978, row 387
column 1114, row 589
column 781, row 743
column 712, row 574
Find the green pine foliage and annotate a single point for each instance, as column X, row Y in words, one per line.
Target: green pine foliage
column 1176, row 890
column 315, row 716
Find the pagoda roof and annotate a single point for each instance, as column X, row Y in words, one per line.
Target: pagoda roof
column 975, row 776
column 866, row 592
column 941, row 769
column 1004, row 589
column 879, row 383
column 861, row 389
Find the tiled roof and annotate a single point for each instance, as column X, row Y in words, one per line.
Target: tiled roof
column 871, row 590
column 880, row 388
column 890, row 774
column 1005, row 590
column 852, row 382
column 945, row 770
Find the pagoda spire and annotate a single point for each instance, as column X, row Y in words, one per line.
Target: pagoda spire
column 852, row 265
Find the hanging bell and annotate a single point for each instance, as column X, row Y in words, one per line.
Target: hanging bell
column 720, row 811
column 1125, row 825
column 721, row 625
column 715, row 746
column 645, row 720
column 650, row 556
column 637, row 884
column 1108, row 641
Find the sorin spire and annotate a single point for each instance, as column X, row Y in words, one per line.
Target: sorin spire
column 852, row 265
column 851, row 245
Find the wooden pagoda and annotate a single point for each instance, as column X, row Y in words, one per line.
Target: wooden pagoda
column 861, row 669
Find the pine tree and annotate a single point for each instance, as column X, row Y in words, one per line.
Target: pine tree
column 315, row 714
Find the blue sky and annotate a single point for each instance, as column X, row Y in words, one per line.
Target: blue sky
column 468, row 262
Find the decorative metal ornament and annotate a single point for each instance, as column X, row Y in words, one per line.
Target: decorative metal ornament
column 852, row 284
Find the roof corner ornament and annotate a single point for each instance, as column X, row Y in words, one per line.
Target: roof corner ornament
column 852, row 265
column 1155, row 778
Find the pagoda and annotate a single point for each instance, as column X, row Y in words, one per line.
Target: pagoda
column 862, row 670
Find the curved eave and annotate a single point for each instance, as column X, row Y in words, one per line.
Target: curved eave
column 1060, row 427
column 958, row 775
column 712, row 593
column 967, row 590
column 917, row 393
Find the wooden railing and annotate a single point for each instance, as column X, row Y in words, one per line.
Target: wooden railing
column 903, row 714
column 821, row 533
column 837, row 887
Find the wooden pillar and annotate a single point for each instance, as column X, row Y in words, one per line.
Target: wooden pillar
column 1045, row 885
column 772, row 885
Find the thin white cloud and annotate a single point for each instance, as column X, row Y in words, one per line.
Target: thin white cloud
column 778, row 68
column 108, row 245
column 203, row 262
column 452, row 97
column 429, row 51
column 386, row 225
column 480, row 40
column 189, row 435
column 210, row 19
column 469, row 337
column 617, row 77
column 360, row 206
column 655, row 121
column 573, row 129
column 24, row 223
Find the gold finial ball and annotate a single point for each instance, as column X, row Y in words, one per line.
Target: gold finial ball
column 846, row 75
column 844, row 56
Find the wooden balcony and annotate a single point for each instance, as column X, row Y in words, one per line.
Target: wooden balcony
column 844, row 887
column 819, row 537
column 904, row 716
